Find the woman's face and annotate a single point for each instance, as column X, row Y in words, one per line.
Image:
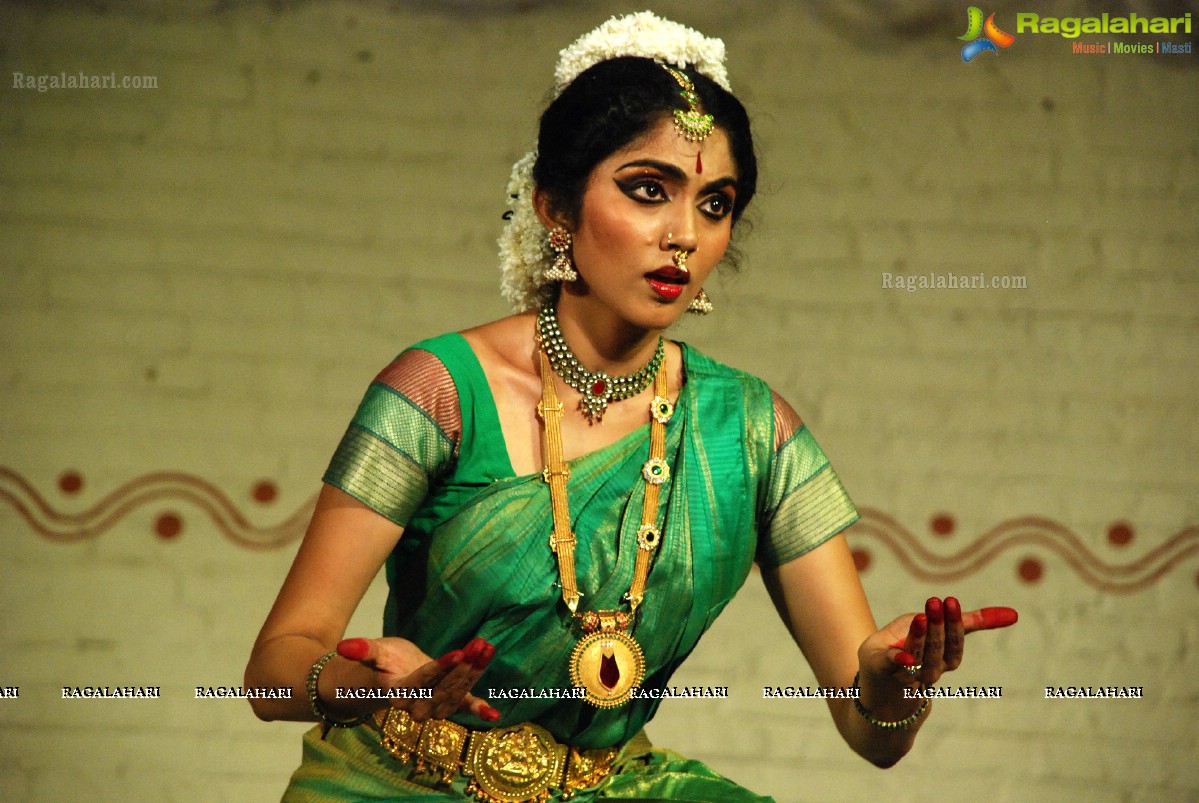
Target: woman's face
column 641, row 205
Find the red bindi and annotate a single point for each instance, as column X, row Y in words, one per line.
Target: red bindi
column 699, row 162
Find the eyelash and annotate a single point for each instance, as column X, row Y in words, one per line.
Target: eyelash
column 632, row 188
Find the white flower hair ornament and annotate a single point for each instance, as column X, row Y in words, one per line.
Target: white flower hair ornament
column 525, row 255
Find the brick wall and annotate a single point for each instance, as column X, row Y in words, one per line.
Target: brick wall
column 200, row 279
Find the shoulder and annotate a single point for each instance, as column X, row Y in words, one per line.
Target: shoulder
column 426, row 376
column 706, row 370
column 504, row 344
column 422, row 367
column 701, row 367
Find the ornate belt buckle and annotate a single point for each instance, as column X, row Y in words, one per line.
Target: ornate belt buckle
column 441, row 745
column 400, row 733
column 514, row 764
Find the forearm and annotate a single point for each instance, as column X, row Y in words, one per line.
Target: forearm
column 882, row 747
column 285, row 662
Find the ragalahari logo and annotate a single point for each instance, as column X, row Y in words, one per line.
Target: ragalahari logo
column 991, row 38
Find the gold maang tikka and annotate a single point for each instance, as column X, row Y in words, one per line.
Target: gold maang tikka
column 693, row 125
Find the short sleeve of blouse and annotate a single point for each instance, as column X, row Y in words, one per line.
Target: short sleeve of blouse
column 804, row 502
column 405, row 433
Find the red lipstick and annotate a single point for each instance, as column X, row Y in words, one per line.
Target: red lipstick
column 668, row 282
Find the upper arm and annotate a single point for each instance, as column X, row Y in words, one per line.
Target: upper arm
column 802, row 502
column 805, row 561
column 340, row 555
column 405, row 434
column 821, row 601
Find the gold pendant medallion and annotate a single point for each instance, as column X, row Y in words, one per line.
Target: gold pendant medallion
column 607, row 665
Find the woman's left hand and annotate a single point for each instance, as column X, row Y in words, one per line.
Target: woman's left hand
column 932, row 641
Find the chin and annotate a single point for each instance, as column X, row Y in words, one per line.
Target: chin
column 662, row 315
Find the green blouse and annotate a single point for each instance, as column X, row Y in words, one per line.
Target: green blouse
column 425, row 449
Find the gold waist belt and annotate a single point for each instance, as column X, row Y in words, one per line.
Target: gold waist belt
column 516, row 764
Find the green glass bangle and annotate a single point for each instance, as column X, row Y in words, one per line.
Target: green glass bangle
column 899, row 724
column 314, row 675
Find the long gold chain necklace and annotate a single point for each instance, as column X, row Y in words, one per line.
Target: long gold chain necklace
column 607, row 663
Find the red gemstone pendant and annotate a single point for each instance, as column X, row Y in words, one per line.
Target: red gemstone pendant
column 609, row 671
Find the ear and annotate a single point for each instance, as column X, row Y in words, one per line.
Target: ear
column 545, row 211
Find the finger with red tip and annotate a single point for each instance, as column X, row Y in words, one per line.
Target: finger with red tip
column 935, row 611
column 903, row 659
column 955, row 633
column 486, row 653
column 473, row 650
column 953, row 610
column 354, row 649
column 989, row 619
column 934, row 642
column 917, row 631
column 450, row 659
column 488, row 713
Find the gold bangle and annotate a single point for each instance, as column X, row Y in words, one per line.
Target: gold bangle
column 899, row 724
column 314, row 675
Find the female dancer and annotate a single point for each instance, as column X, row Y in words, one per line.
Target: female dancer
column 565, row 500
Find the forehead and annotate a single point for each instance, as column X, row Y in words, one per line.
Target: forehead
column 664, row 143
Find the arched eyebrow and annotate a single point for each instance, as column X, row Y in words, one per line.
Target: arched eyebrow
column 676, row 172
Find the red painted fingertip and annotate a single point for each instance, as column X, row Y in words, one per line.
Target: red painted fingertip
column 488, row 713
column 919, row 625
column 486, row 653
column 473, row 649
column 999, row 617
column 354, row 649
column 450, row 659
column 953, row 609
column 904, row 659
column 936, row 613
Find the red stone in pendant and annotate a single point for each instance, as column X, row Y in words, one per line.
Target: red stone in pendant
column 609, row 671
column 598, row 387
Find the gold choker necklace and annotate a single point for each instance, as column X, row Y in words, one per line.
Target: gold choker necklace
column 607, row 663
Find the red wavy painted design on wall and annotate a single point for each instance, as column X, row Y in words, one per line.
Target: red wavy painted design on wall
column 1027, row 537
column 160, row 489
column 1024, row 539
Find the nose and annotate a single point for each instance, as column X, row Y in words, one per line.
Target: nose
column 682, row 233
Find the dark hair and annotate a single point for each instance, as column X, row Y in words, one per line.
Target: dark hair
column 612, row 103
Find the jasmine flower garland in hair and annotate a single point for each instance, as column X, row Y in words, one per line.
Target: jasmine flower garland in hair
column 646, row 35
column 524, row 253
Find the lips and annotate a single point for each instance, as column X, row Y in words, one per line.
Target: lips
column 668, row 282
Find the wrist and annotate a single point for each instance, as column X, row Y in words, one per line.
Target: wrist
column 888, row 711
column 328, row 673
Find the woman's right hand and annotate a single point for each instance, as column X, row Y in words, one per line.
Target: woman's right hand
column 399, row 664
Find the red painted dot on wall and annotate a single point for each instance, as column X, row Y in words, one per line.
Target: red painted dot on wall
column 168, row 526
column 943, row 524
column 861, row 559
column 1031, row 570
column 265, row 492
column 1120, row 534
column 70, row 482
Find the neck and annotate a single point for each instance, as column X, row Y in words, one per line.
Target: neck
column 601, row 341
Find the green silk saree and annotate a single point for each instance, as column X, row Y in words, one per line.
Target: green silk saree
column 425, row 449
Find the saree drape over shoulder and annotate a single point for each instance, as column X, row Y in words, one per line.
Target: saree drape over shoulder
column 425, row 450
